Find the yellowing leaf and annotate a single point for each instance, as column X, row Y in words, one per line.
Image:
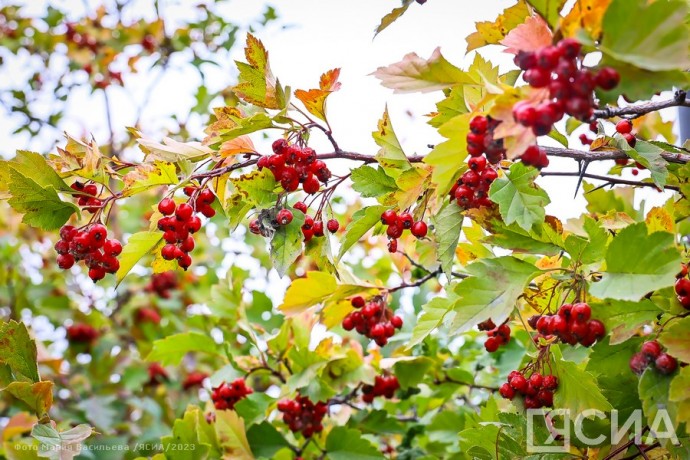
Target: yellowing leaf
column 236, row 146
column 232, row 435
column 314, row 100
column 20, row 423
column 307, row 292
column 257, row 85
column 391, row 17
column 81, row 159
column 391, row 156
column 491, row 33
column 587, row 15
column 659, row 220
column 173, row 151
column 38, row 396
column 412, row 184
column 149, row 175
column 532, row 35
column 138, row 245
column 414, row 74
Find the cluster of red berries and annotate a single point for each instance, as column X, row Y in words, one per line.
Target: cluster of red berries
column 148, row 315
column 624, row 128
column 558, row 68
column 292, row 165
column 472, row 189
column 683, row 287
column 571, row 324
column 535, row 156
column 383, row 386
column 90, row 244
column 81, row 333
column 397, row 224
column 373, row 319
column 651, row 353
column 537, row 390
column 178, row 228
column 194, row 379
column 310, row 227
column 163, row 283
column 301, row 414
column 497, row 335
column 227, row 395
column 87, row 196
column 157, row 374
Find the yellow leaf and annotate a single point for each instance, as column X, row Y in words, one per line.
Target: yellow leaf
column 314, row 100
column 80, row 158
column 586, row 14
column 232, row 435
column 149, row 175
column 659, row 220
column 491, row 33
column 532, row 35
column 412, row 184
column 307, row 292
column 38, row 396
column 173, row 151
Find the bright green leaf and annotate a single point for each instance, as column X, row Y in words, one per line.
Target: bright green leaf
column 171, row 350
column 348, row 444
column 519, row 199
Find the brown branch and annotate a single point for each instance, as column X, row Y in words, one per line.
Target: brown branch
column 609, row 179
column 638, row 110
column 417, row 283
column 608, row 155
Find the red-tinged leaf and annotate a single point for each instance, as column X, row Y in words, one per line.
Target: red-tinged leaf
column 314, row 101
column 414, row 74
column 236, row 146
column 257, row 85
column 329, row 80
column 531, row 35
column 491, row 33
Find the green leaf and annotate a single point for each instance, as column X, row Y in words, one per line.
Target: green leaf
column 38, row 396
column 622, row 318
column 265, row 440
column 348, row 444
column 253, row 408
column 654, row 388
column 414, row 74
column 40, row 205
column 60, row 445
column 372, row 182
column 447, row 227
column 286, row 244
column 651, row 36
column 411, row 371
column 540, row 239
column 257, row 85
column 491, row 291
column 257, row 188
column 391, row 17
column 18, row 351
column 34, row 166
column 138, row 245
column 362, row 221
column 448, row 158
column 649, row 156
column 519, row 199
column 149, row 175
column 245, row 125
column 550, row 10
column 171, row 350
column 432, row 316
column 676, row 339
column 184, row 443
column 602, row 201
column 232, row 435
column 637, row 263
column 577, row 388
column 391, row 155
column 680, row 386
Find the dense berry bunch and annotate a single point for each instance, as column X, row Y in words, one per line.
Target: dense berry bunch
column 472, row 189
column 194, row 379
column 163, row 283
column 87, row 196
column 571, row 324
column 571, row 87
column 148, row 315
column 373, row 319
column 383, row 386
column 497, row 335
column 227, row 395
column 683, row 287
column 537, row 389
column 397, row 223
column 81, row 333
column 157, row 374
column 651, row 354
column 90, row 244
column 180, row 223
column 301, row 414
column 292, row 165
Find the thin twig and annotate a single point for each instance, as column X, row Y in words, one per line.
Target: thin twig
column 609, row 179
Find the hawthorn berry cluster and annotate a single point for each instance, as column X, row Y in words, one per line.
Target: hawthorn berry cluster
column 163, row 283
column 373, row 319
column 88, row 196
column 90, row 244
column 383, row 386
column 571, row 324
column 292, row 165
column 301, row 414
column 81, row 333
column 497, row 335
column 651, row 354
column 194, row 379
column 148, row 315
column 537, row 390
column 472, row 189
column 180, row 223
column 683, row 287
column 227, row 395
column 397, row 223
column 559, row 69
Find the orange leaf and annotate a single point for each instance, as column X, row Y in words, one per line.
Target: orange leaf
column 491, row 33
column 329, row 80
column 236, row 146
column 531, row 35
column 314, row 100
column 586, row 14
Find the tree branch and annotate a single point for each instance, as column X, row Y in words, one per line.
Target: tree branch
column 609, row 179
column 638, row 110
column 671, row 157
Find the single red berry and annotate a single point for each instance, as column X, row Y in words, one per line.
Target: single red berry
column 630, row 139
column 570, row 48
column 311, row 185
column 507, row 391
column 67, row 232
column 536, row 380
column 419, row 229
column 479, row 124
column 65, row 261
column 488, row 176
column 279, row 146
column 301, row 206
column 318, row 228
column 332, row 225
column 545, row 397
column 519, row 383
column 405, row 220
column 348, row 324
column 284, row 217
column 169, row 251
column 358, row 301
column 96, row 273
column 537, row 77
column 91, row 189
column 651, row 349
column 166, row 206
column 187, row 244
column 525, row 60
column 470, row 178
column 492, row 344
column 394, row 231
column 477, row 164
column 389, row 217
column 581, row 312
column 184, row 212
column 666, row 364
column 607, row 78
column 624, row 126
column 596, row 329
column 547, row 57
column 392, row 245
column 550, row 382
column 397, row 322
column 112, row 247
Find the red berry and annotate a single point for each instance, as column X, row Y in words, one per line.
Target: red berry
column 638, row 363
column 166, row 206
column 389, row 217
column 96, row 273
column 348, row 324
column 318, row 228
column 284, row 217
column 536, row 380
column 507, row 391
column 169, row 251
column 470, row 178
column 357, row 302
column 518, row 383
column 545, row 397
column 279, row 146
column 479, row 124
column 537, row 77
column 405, row 220
column 492, row 344
column 332, row 225
column 581, row 312
column 651, row 349
column 419, row 229
column 666, row 364
column 525, row 60
column 569, row 47
column 596, row 328
column 65, row 261
column 91, row 189
column 630, row 139
column 393, row 245
column 301, row 206
column 67, row 232
column 311, row 185
column 607, row 78
column 394, row 231
column 112, row 247
column 477, row 164
column 550, row 382
column 624, row 126
column 184, row 212
column 547, row 57
column 397, row 322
